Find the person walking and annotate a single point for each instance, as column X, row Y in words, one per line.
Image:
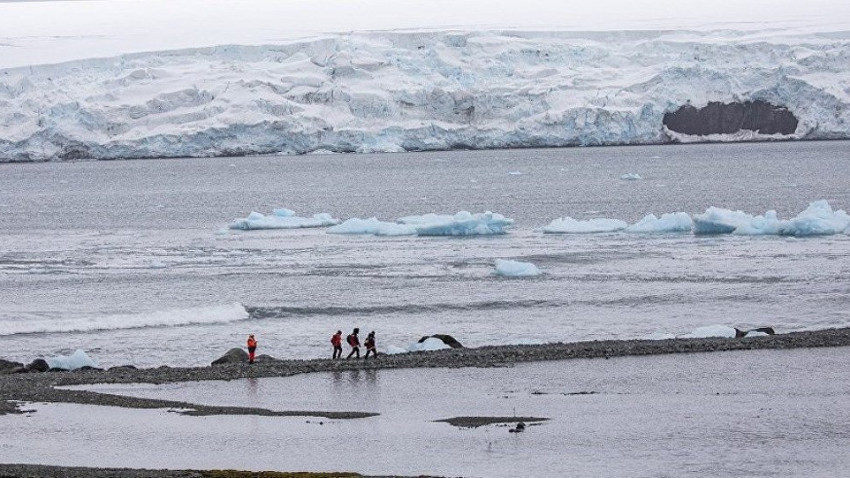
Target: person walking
column 354, row 342
column 369, row 343
column 252, row 347
column 336, row 341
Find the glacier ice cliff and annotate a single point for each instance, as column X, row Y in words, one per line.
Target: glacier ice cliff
column 409, row 91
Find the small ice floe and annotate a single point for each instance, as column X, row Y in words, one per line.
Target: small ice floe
column 631, row 177
column 672, row 222
column 372, row 226
column 78, row 359
column 282, row 219
column 658, row 336
column 516, row 173
column 508, row 268
column 157, row 265
column 568, row 225
column 463, row 223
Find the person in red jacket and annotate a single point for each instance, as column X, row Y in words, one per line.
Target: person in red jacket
column 252, row 347
column 336, row 341
column 370, row 345
column 354, row 342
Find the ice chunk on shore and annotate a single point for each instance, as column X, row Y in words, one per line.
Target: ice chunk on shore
column 631, row 177
column 78, row 359
column 282, row 219
column 463, row 223
column 568, row 225
column 717, row 220
column 672, row 222
column 428, row 344
column 817, row 220
column 711, row 331
column 508, row 268
column 372, row 226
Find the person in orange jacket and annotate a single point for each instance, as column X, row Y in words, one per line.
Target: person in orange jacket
column 336, row 341
column 252, row 347
column 354, row 342
column 370, row 345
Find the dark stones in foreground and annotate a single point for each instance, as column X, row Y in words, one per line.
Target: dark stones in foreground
column 49, row 471
column 234, row 355
column 447, row 339
column 728, row 118
column 473, row 422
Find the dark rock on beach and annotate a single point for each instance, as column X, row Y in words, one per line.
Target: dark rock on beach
column 234, row 355
column 38, row 365
column 7, row 366
column 45, row 471
column 447, row 339
column 728, row 118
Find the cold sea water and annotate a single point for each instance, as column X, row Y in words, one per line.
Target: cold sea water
column 132, row 261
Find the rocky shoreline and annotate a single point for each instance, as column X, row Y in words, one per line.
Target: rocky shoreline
column 42, row 387
column 16, row 390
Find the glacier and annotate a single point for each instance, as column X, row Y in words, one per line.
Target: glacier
column 418, row 90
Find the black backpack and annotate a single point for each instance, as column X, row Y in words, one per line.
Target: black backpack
column 350, row 339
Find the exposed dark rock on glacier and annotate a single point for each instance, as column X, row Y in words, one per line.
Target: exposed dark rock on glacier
column 729, row 118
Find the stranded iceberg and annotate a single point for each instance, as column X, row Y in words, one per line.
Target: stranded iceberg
column 427, row 90
column 282, row 219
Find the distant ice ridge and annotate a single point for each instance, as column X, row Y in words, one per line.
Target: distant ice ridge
column 508, row 268
column 282, row 219
column 163, row 318
column 78, row 359
column 463, row 223
column 411, row 91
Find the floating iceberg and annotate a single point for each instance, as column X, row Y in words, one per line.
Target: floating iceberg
column 372, row 226
column 631, row 177
column 673, row 222
column 508, row 268
column 463, row 223
column 569, row 225
column 282, row 219
column 817, row 219
column 78, row 359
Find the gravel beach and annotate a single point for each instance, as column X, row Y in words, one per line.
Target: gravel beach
column 16, row 390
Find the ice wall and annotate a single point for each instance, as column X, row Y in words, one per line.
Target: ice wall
column 403, row 91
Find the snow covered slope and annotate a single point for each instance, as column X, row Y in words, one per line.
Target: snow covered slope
column 380, row 91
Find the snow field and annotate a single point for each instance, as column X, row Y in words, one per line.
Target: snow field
column 411, row 91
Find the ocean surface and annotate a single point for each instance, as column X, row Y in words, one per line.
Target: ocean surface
column 132, row 261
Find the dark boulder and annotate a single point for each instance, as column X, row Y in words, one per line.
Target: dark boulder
column 728, row 118
column 7, row 366
column 38, row 365
column 447, row 339
column 264, row 358
column 234, row 355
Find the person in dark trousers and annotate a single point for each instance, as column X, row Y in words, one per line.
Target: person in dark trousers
column 354, row 342
column 252, row 347
column 336, row 341
column 369, row 343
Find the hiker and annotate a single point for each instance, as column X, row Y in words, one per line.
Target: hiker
column 354, row 342
column 336, row 341
column 252, row 347
column 370, row 345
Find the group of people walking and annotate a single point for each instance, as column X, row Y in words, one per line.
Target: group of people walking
column 353, row 340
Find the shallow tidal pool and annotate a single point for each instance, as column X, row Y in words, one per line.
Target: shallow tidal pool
column 750, row 413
